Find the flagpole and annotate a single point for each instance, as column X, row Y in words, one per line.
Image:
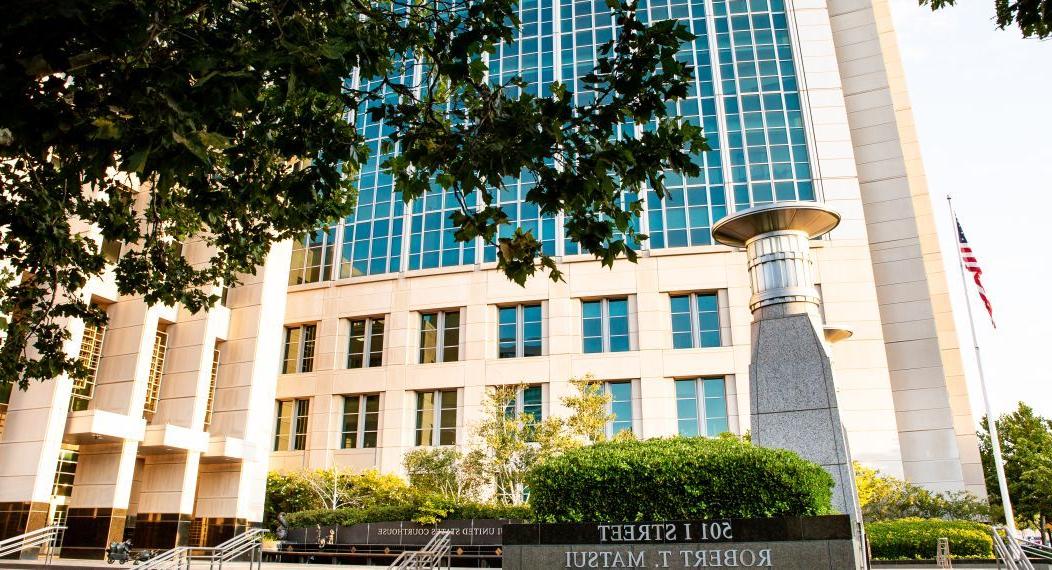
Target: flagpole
column 991, row 420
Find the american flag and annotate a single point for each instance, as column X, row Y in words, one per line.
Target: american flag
column 972, row 265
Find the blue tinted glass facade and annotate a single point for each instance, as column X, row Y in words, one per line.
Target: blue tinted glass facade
column 745, row 95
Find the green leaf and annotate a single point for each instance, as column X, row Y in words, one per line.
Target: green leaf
column 106, row 129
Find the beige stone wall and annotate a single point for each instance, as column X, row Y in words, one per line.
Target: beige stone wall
column 153, row 466
column 936, row 429
column 652, row 365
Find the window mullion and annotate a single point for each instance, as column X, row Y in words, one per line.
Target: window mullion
column 436, row 419
column 440, row 339
column 360, row 436
column 700, row 403
column 695, row 321
column 604, row 317
column 520, row 331
column 299, row 349
column 367, row 342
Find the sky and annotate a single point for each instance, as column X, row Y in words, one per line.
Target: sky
column 981, row 103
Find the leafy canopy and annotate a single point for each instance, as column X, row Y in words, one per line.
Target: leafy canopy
column 1032, row 17
column 1026, row 445
column 155, row 122
column 506, row 443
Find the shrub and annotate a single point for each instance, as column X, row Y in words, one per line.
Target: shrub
column 295, row 491
column 675, row 479
column 884, row 497
column 427, row 509
column 917, row 538
column 286, row 493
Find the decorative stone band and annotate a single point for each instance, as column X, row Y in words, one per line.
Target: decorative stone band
column 792, row 543
column 829, row 527
column 781, row 269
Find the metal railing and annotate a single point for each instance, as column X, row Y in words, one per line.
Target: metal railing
column 430, row 557
column 1039, row 551
column 169, row 559
column 1009, row 551
column 249, row 542
column 49, row 537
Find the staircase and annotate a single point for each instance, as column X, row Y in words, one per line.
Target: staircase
column 430, row 557
column 1036, row 551
column 248, row 543
column 1009, row 551
column 49, row 537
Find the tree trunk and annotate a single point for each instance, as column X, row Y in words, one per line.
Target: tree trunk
column 1044, row 530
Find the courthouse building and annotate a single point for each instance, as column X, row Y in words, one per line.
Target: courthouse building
column 382, row 334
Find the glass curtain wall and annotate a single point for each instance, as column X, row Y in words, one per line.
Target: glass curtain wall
column 745, row 95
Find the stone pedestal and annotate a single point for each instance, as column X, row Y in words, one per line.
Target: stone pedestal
column 793, row 403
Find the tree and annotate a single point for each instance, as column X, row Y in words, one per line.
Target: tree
column 1026, row 444
column 506, row 443
column 287, row 492
column 1032, row 17
column 884, row 497
column 156, row 122
column 331, row 489
column 510, row 442
column 446, row 471
column 589, row 407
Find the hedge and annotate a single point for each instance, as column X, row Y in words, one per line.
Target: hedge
column 917, row 538
column 408, row 512
column 676, row 479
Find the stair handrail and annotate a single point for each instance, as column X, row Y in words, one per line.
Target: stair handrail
column 44, row 536
column 1009, row 551
column 250, row 541
column 430, row 556
column 173, row 558
column 1033, row 550
column 248, row 535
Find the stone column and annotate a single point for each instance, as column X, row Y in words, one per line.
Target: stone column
column 793, row 401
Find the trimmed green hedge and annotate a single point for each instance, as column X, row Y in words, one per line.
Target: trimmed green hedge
column 916, row 538
column 676, row 479
column 408, row 512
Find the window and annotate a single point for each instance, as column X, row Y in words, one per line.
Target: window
column 701, row 406
column 5, row 398
column 90, row 354
column 361, row 421
column 528, row 400
column 111, row 250
column 366, row 346
column 520, row 331
column 312, row 257
column 299, row 349
column 153, row 386
column 290, row 434
column 213, row 378
column 65, row 471
column 695, row 321
column 436, row 417
column 620, row 406
column 605, row 325
column 439, row 337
